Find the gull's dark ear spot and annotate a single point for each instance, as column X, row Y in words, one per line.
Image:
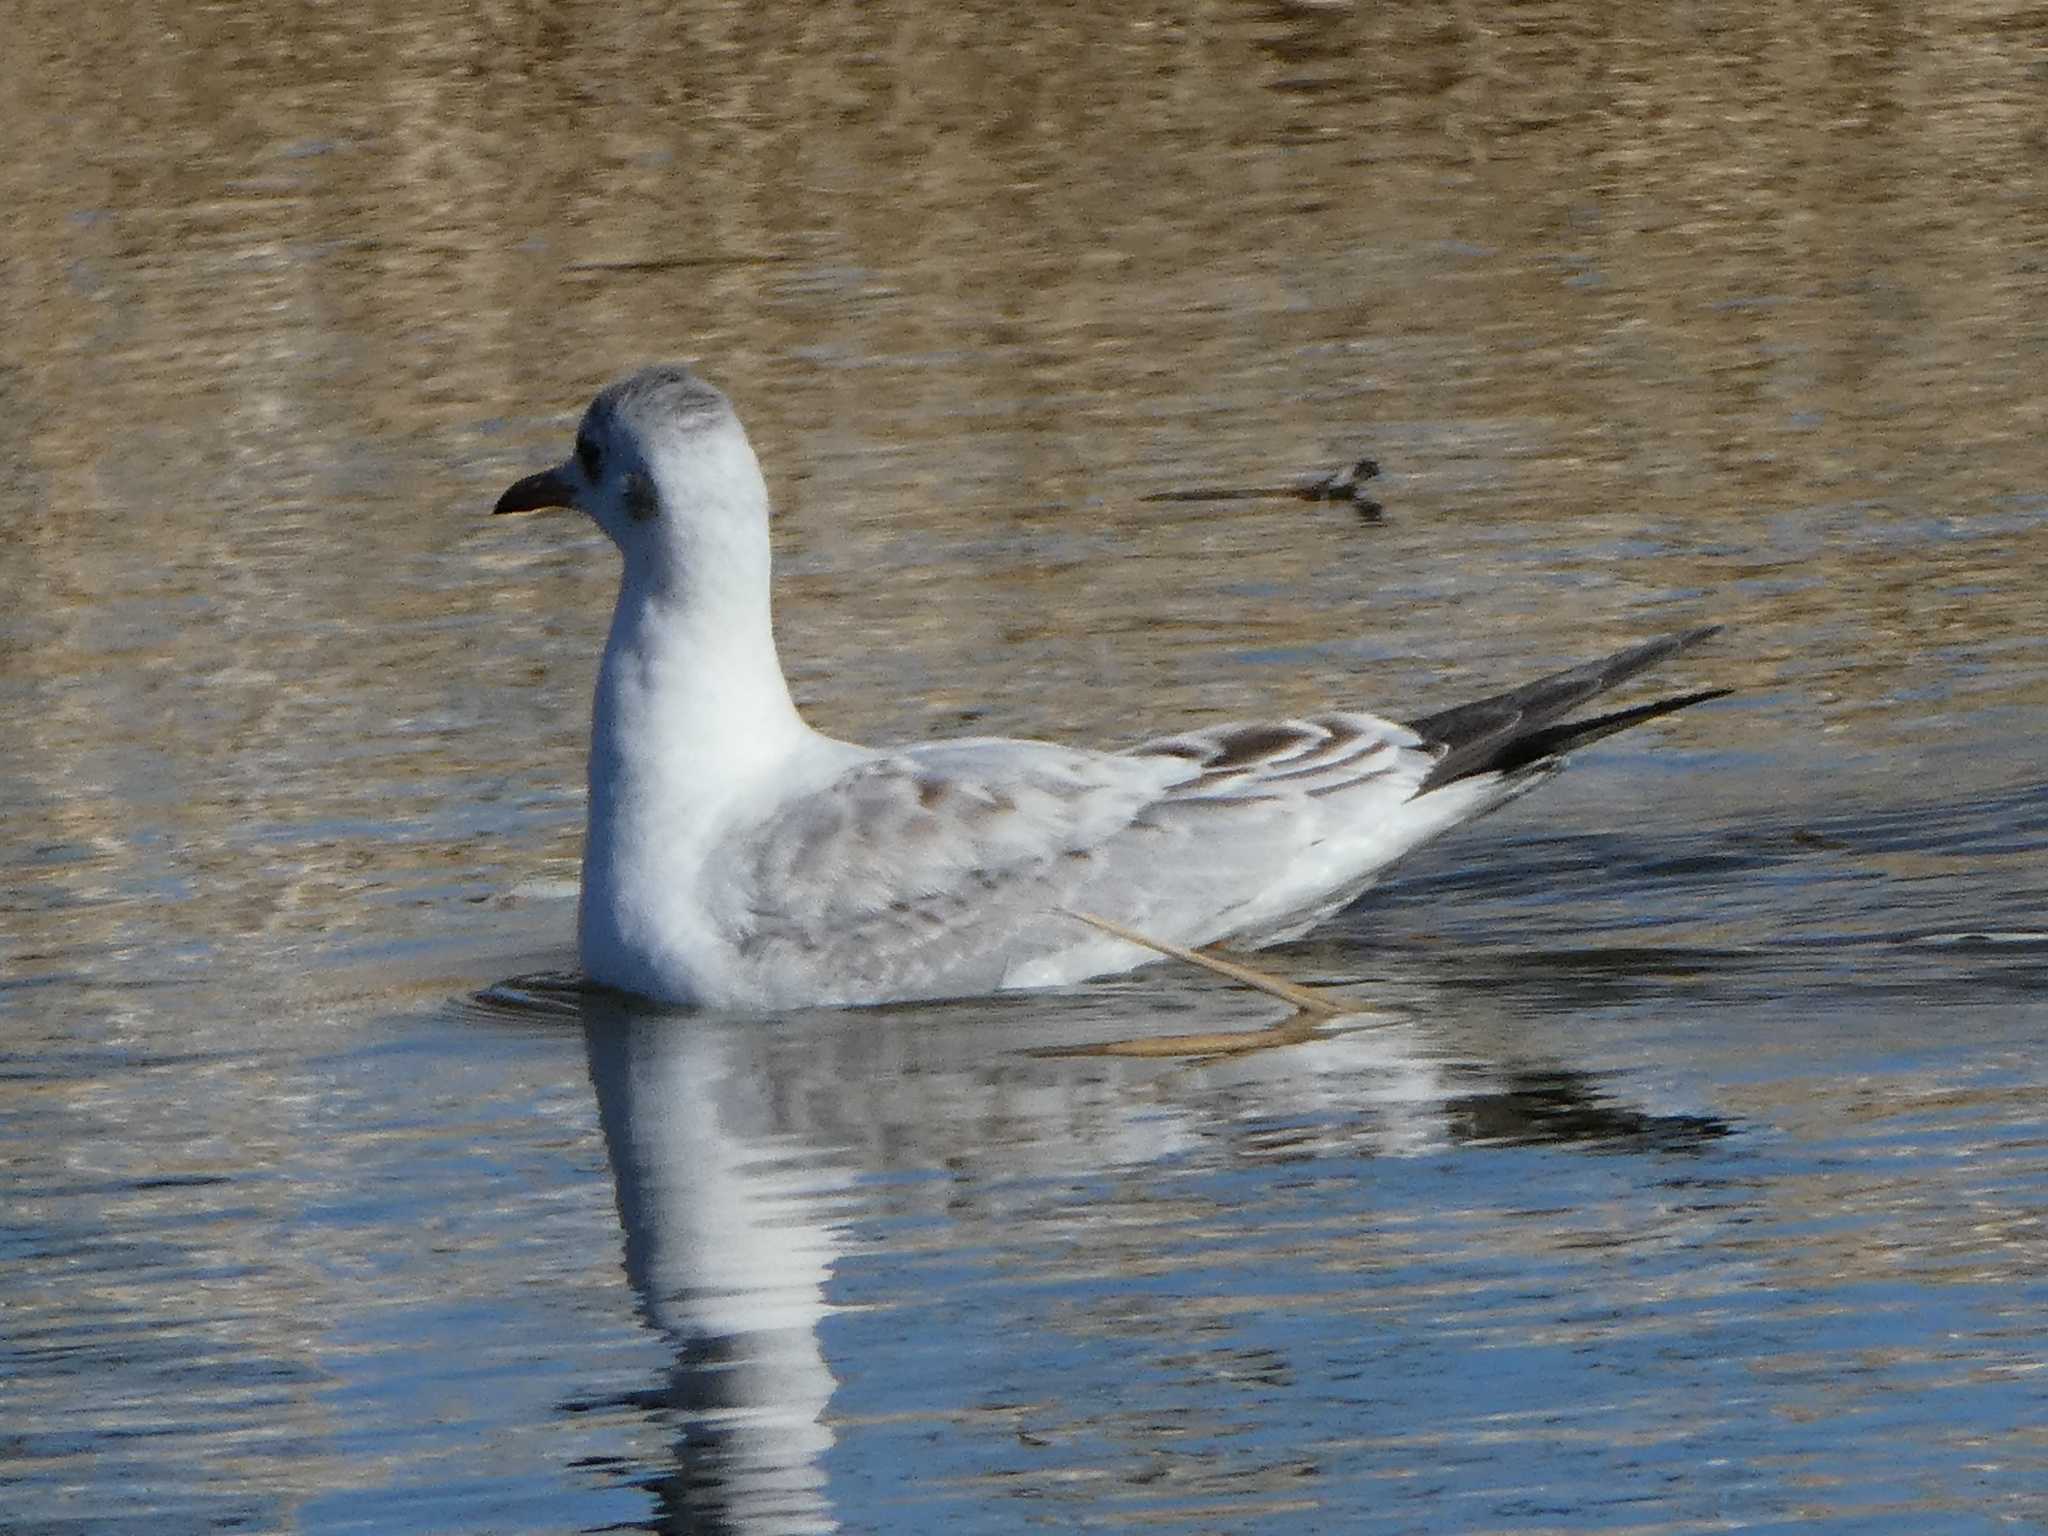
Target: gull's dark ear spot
column 641, row 501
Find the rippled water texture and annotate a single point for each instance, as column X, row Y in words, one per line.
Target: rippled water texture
column 1690, row 1171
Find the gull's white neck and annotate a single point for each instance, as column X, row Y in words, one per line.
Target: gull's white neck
column 692, row 718
column 690, row 696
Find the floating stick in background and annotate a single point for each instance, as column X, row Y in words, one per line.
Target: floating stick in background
column 1339, row 485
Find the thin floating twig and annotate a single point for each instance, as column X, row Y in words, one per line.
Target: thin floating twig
column 1303, row 998
column 1295, row 1029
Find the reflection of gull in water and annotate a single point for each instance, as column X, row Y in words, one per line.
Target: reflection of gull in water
column 753, row 1160
column 729, row 1239
column 737, row 858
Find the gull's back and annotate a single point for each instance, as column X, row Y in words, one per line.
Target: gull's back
column 955, row 868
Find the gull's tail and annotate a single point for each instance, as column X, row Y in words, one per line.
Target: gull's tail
column 1526, row 728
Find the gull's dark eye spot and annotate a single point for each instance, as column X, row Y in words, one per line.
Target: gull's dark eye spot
column 641, row 502
column 587, row 455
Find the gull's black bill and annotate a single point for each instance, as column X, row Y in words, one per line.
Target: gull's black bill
column 536, row 493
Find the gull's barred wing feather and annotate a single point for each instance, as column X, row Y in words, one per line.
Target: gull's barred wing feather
column 1320, row 756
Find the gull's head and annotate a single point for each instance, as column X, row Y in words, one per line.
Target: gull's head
column 663, row 466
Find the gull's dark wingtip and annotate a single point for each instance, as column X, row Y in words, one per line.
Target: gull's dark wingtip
column 1526, row 726
column 1537, row 746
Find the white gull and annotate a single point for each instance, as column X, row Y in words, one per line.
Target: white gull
column 736, row 858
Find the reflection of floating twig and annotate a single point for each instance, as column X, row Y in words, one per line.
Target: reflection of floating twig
column 1239, row 1042
column 1308, row 1001
column 1339, row 485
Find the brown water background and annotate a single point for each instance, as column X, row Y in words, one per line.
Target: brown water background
column 1652, row 316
